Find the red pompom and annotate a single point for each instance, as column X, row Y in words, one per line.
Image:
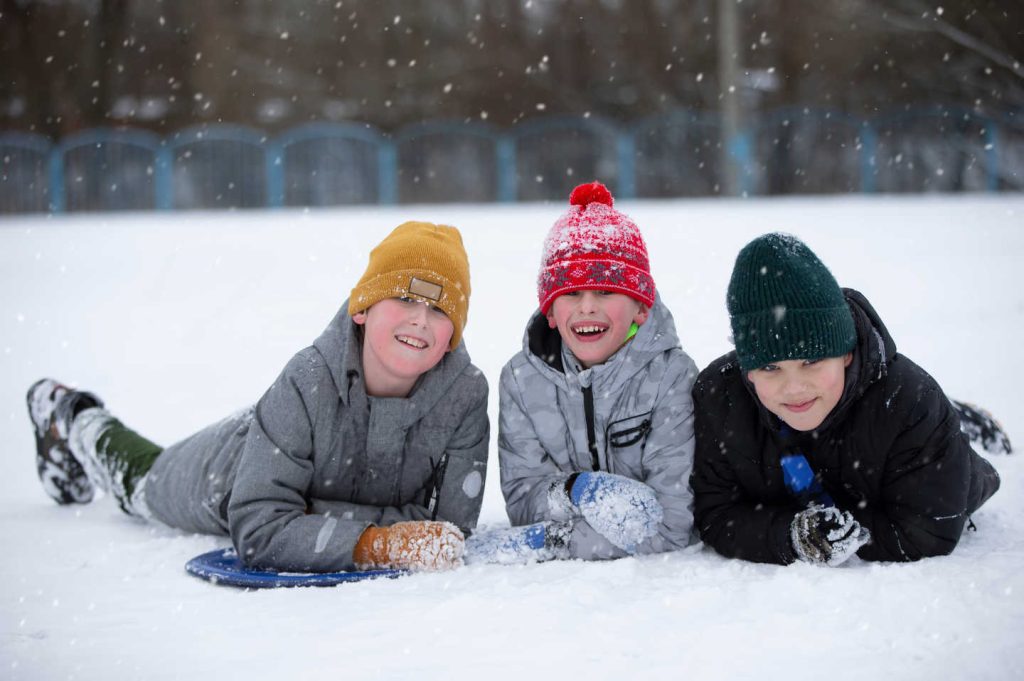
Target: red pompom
column 592, row 192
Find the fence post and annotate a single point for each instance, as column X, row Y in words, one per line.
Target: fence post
column 387, row 173
column 163, row 182
column 626, row 149
column 739, row 154
column 506, row 159
column 274, row 158
column 992, row 156
column 58, row 198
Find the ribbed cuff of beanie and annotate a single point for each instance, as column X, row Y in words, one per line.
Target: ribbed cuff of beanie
column 772, row 336
column 594, row 275
column 419, row 285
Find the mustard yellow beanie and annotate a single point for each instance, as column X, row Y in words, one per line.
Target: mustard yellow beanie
column 423, row 261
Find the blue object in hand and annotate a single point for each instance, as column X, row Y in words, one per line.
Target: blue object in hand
column 801, row 481
column 624, row 511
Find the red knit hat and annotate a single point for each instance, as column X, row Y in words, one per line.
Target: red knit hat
column 594, row 246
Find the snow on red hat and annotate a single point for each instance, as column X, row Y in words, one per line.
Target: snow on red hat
column 594, row 246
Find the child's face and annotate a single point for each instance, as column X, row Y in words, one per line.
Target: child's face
column 801, row 392
column 402, row 339
column 594, row 324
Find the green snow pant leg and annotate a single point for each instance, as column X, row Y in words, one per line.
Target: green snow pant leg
column 130, row 454
column 115, row 458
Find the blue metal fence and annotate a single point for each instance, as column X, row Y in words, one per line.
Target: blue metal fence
column 24, row 163
column 673, row 154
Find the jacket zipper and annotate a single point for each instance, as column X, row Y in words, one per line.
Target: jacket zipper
column 588, row 411
column 436, row 481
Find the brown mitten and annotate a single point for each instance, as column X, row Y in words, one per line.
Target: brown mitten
column 410, row 545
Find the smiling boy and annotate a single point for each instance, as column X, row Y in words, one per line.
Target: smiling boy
column 403, row 338
column 816, row 440
column 801, row 392
column 368, row 451
column 594, row 324
column 595, row 435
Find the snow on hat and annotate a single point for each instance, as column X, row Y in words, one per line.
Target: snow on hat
column 784, row 304
column 418, row 260
column 594, row 246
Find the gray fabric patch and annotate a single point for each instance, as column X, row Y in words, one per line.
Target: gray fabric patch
column 472, row 484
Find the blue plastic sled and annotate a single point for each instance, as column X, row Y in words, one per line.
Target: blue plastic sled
column 223, row 567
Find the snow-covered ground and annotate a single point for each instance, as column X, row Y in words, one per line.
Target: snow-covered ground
column 178, row 319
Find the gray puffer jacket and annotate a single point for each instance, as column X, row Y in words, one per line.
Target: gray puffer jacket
column 296, row 479
column 642, row 429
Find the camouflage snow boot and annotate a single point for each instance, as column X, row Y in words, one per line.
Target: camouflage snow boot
column 52, row 408
column 981, row 427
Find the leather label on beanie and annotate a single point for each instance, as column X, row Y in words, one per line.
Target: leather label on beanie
column 425, row 289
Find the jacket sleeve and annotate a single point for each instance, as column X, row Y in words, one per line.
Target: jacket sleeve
column 531, row 481
column 461, row 492
column 668, row 456
column 267, row 515
column 925, row 485
column 732, row 524
column 461, row 470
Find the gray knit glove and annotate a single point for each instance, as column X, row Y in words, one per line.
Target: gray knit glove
column 826, row 536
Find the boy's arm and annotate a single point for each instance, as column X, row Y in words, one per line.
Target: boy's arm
column 461, row 469
column 267, row 514
column 925, row 485
column 461, row 492
column 668, row 457
column 729, row 522
column 533, row 484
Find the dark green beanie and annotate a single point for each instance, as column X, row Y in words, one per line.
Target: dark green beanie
column 785, row 304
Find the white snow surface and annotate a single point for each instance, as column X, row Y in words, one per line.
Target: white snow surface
column 177, row 319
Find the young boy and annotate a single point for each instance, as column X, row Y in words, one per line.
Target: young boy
column 596, row 418
column 815, row 439
column 369, row 451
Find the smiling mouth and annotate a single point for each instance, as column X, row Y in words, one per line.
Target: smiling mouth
column 589, row 331
column 412, row 342
column 800, row 406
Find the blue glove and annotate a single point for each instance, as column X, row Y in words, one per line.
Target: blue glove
column 624, row 511
column 516, row 545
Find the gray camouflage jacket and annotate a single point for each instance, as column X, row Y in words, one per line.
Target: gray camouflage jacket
column 296, row 479
column 642, row 429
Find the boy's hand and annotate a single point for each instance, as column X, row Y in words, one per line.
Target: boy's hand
column 410, row 545
column 515, row 545
column 826, row 536
column 623, row 510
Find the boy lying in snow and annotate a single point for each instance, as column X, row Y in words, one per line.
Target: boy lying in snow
column 596, row 418
column 368, row 451
column 815, row 439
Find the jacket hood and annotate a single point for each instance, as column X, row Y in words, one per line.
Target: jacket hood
column 872, row 353
column 542, row 346
column 341, row 344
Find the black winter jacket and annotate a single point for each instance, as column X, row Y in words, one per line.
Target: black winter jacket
column 890, row 452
